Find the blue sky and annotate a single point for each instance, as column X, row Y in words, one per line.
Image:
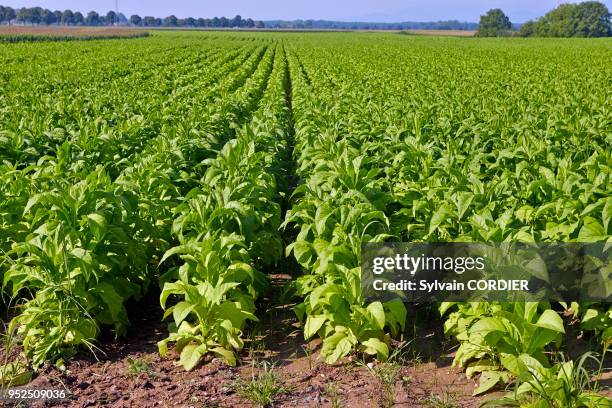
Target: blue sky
column 346, row 10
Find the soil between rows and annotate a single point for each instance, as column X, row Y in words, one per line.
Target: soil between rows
column 426, row 378
column 106, row 380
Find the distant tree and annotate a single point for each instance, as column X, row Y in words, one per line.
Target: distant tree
column 9, row 14
column 135, row 19
column 158, row 22
column 260, row 24
column 23, row 15
column 558, row 22
column 494, row 24
column 93, row 18
column 48, row 17
column 111, row 18
column 236, row 21
column 67, row 17
column 528, row 29
column 592, row 20
column 149, row 21
column 58, row 16
column 201, row 22
column 189, row 22
column 36, row 15
column 224, row 22
column 216, row 22
column 171, row 21
column 249, row 23
column 587, row 19
column 122, row 19
column 78, row 18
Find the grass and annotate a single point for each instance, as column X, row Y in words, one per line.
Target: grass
column 137, row 366
column 333, row 394
column 263, row 388
column 446, row 401
column 388, row 373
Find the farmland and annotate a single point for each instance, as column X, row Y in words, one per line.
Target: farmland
column 34, row 34
column 202, row 198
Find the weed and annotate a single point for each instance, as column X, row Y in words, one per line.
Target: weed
column 263, row 388
column 334, row 396
column 137, row 366
column 445, row 401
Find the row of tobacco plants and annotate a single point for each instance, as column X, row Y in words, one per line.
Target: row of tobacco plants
column 407, row 151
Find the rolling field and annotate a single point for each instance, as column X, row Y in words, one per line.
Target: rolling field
column 202, row 197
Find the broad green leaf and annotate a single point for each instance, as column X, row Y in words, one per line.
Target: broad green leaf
column 551, row 320
column 313, row 324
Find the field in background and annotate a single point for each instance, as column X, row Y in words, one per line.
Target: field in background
column 16, row 32
column 226, row 181
column 443, row 33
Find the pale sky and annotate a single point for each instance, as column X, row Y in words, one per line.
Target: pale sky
column 344, row 10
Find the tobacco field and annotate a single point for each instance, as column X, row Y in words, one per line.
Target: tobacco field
column 185, row 172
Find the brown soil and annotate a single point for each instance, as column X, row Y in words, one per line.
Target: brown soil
column 107, row 380
column 425, row 378
column 68, row 31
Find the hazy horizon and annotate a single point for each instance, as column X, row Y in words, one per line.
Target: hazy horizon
column 343, row 10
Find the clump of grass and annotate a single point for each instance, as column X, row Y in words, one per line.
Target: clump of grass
column 388, row 373
column 137, row 366
column 334, row 396
column 446, row 401
column 263, row 388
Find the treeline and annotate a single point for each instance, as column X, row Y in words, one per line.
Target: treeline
column 343, row 25
column 586, row 19
column 40, row 16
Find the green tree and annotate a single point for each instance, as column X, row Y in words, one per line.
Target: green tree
column 23, row 15
column 558, row 22
column 494, row 24
column 58, row 16
column 48, row 17
column 528, row 29
column 67, row 17
column 171, row 21
column 135, row 19
column 36, row 15
column 149, row 21
column 111, row 18
column 78, row 18
column 93, row 18
column 587, row 19
column 592, row 20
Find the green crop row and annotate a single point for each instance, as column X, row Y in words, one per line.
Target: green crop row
column 443, row 159
column 86, row 245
